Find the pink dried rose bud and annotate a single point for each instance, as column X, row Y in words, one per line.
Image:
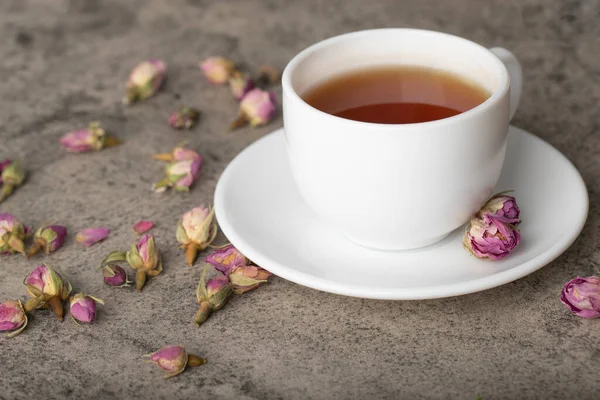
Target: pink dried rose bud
column 145, row 79
column 174, row 360
column 240, row 84
column 490, row 239
column 90, row 236
column 503, row 207
column 181, row 171
column 247, row 278
column 268, row 75
column 145, row 259
column 217, row 69
column 257, row 108
column 114, row 275
column 12, row 317
column 12, row 235
column 143, row 227
column 47, row 289
column 196, row 231
column 211, row 295
column 184, row 118
column 12, row 176
column 227, row 259
column 83, row 307
column 93, row 138
column 47, row 238
column 582, row 296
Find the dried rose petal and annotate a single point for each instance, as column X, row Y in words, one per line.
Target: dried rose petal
column 143, row 226
column 257, row 108
column 91, row 236
column 184, row 118
column 145, row 79
column 174, row 360
column 217, row 69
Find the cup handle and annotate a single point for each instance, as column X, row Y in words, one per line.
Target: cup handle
column 516, row 76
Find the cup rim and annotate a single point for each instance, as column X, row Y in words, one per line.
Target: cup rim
column 288, row 89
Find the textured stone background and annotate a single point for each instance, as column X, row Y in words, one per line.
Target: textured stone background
column 63, row 63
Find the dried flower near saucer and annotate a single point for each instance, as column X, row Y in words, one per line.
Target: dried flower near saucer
column 12, row 235
column 582, row 296
column 174, row 360
column 145, row 80
column 232, row 263
column 47, row 238
column 217, row 70
column 196, row 231
column 184, row 118
column 211, row 295
column 90, row 236
column 257, row 107
column 83, row 307
column 12, row 176
column 181, row 171
column 493, row 234
column 47, row 289
column 93, row 138
column 226, row 259
column 240, row 84
column 145, row 259
column 13, row 317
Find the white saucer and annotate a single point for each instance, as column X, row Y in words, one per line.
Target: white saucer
column 260, row 211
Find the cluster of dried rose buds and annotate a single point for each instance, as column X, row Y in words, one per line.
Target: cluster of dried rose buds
column 196, row 230
column 492, row 233
column 143, row 257
column 174, row 360
column 181, row 170
column 12, row 176
column 257, row 106
column 94, row 138
column 237, row 275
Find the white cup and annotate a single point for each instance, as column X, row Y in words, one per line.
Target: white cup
column 398, row 186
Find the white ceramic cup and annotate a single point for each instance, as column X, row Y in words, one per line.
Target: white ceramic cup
column 398, row 186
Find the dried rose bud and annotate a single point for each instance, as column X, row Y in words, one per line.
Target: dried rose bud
column 47, row 289
column 93, row 138
column 83, row 307
column 268, row 75
column 240, row 84
column 90, row 236
column 490, row 239
column 184, row 165
column 4, row 164
column 114, row 275
column 12, row 176
column 12, row 235
column 47, row 238
column 195, row 231
column 12, row 317
column 143, row 227
column 502, row 207
column 582, row 296
column 227, row 259
column 145, row 259
column 145, row 79
column 184, row 118
column 211, row 295
column 217, row 69
column 247, row 278
column 174, row 360
column 257, row 108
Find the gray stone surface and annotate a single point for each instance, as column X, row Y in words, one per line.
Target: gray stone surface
column 63, row 63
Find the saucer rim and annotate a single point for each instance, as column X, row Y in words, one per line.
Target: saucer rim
column 421, row 293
